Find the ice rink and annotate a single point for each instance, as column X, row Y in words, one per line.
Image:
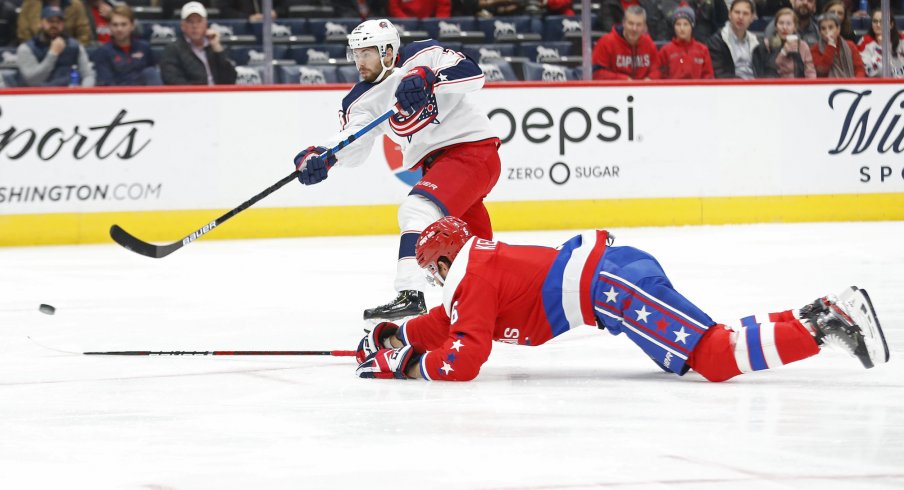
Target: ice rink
column 587, row 410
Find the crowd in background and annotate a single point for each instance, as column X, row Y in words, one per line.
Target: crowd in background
column 641, row 39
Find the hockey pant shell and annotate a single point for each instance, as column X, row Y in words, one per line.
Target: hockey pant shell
column 633, row 295
column 455, row 184
column 761, row 342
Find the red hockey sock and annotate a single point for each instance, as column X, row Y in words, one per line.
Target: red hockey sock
column 724, row 353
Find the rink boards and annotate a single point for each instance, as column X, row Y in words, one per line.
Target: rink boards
column 582, row 155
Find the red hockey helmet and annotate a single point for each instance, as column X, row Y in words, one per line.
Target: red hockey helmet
column 443, row 238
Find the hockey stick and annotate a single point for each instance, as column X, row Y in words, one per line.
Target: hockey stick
column 142, row 247
column 336, row 353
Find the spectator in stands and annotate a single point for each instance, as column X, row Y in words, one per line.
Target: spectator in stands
column 99, row 12
column 198, row 57
column 419, row 9
column 838, row 8
column 248, row 9
column 75, row 19
column 731, row 49
column 871, row 48
column 807, row 29
column 834, row 56
column 126, row 59
column 704, row 14
column 612, row 13
column 684, row 57
column 784, row 54
column 627, row 52
column 48, row 59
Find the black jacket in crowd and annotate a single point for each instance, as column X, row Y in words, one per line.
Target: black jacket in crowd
column 180, row 66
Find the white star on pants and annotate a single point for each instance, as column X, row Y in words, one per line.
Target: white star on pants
column 457, row 345
column 611, row 295
column 446, row 368
column 642, row 314
column 681, row 335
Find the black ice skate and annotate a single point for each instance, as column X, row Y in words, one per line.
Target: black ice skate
column 407, row 304
column 850, row 322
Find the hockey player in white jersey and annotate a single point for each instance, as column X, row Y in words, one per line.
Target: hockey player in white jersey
column 439, row 130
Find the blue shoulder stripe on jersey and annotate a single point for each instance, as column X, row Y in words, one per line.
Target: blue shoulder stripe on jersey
column 552, row 288
column 465, row 68
column 413, row 48
column 357, row 91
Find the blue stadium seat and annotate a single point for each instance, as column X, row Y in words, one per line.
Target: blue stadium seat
column 483, row 52
column 544, row 51
column 407, row 24
column 332, row 30
column 10, row 77
column 556, row 27
column 506, row 28
column 249, row 75
column 250, row 55
column 307, row 75
column 160, row 31
column 348, row 74
column 449, row 28
column 281, row 28
column 545, row 72
column 8, row 57
column 498, row 70
column 231, row 27
column 315, row 53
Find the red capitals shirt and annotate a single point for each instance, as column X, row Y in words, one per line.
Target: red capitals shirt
column 419, row 9
column 516, row 294
column 688, row 60
column 615, row 59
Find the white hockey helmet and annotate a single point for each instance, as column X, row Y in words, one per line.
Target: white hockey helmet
column 378, row 33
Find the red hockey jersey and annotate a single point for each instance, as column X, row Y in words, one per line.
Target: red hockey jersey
column 615, row 59
column 508, row 293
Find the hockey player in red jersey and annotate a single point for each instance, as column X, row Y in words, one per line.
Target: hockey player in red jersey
column 439, row 130
column 530, row 294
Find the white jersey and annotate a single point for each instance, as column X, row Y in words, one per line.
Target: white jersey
column 447, row 119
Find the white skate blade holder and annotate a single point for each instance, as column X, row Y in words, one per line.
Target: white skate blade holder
column 857, row 304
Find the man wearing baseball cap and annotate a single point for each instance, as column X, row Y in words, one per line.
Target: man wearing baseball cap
column 198, row 57
column 75, row 19
column 50, row 59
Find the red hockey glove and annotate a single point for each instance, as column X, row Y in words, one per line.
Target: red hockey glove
column 387, row 364
column 375, row 340
column 415, row 88
column 313, row 164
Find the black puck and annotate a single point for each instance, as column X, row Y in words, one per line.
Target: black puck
column 47, row 309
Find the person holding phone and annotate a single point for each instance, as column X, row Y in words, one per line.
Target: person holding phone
column 198, row 57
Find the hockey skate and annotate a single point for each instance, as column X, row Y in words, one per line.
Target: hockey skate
column 850, row 322
column 407, row 304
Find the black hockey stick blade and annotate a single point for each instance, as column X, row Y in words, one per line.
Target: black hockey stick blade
column 336, row 353
column 128, row 241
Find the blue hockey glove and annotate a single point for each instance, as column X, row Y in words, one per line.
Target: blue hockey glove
column 375, row 340
column 312, row 164
column 386, row 364
column 414, row 89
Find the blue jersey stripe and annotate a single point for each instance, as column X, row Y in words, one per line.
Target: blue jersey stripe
column 754, row 345
column 552, row 288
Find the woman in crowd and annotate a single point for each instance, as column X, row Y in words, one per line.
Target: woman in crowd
column 838, row 8
column 871, row 48
column 784, row 55
column 834, row 56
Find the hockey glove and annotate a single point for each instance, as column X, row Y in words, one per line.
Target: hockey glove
column 313, row 165
column 375, row 340
column 387, row 364
column 414, row 89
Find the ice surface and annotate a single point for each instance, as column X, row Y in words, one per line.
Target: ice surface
column 587, row 410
